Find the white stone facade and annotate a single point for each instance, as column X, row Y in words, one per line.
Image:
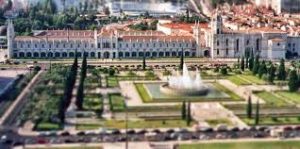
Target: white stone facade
column 213, row 41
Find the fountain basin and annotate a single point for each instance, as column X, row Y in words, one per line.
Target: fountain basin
column 199, row 91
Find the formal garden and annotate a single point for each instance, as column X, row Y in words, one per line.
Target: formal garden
column 280, row 107
column 100, row 102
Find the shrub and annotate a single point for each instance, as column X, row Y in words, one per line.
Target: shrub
column 105, row 70
column 237, row 71
column 149, row 74
column 274, row 119
column 224, row 71
column 216, row 69
column 111, row 72
column 265, row 77
column 167, row 73
column 131, row 73
column 37, row 68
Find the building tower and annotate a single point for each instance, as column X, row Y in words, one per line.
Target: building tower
column 10, row 38
column 217, row 23
column 216, row 29
column 197, row 37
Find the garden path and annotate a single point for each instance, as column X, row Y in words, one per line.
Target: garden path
column 213, row 110
column 104, row 91
column 242, row 91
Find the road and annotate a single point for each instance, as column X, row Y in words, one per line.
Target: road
column 8, row 118
column 154, row 136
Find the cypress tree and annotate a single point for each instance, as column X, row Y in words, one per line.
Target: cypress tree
column 293, row 81
column 271, row 74
column 257, row 113
column 84, row 66
column 249, row 107
column 181, row 60
column 80, row 95
column 281, row 71
column 80, row 89
column 251, row 61
column 68, row 89
column 247, row 62
column 243, row 63
column 256, row 65
column 262, row 69
column 183, row 110
column 189, row 116
column 144, row 60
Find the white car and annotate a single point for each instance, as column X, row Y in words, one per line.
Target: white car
column 3, row 138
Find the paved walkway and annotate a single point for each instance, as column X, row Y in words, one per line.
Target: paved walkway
column 214, row 111
column 242, row 91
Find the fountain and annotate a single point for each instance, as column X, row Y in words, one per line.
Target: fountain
column 185, row 85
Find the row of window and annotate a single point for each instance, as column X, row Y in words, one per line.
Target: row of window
column 104, row 54
column 51, row 46
column 294, row 45
column 226, row 51
column 108, row 45
column 237, row 43
column 104, row 45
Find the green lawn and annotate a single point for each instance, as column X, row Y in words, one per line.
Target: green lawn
column 253, row 79
column 92, row 102
column 46, row 126
column 117, row 102
column 222, row 88
column 291, row 96
column 175, row 123
column 246, row 79
column 143, row 92
column 216, row 122
column 114, row 81
column 274, row 121
column 272, row 99
column 238, row 80
column 245, row 145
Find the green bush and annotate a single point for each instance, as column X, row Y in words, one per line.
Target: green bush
column 224, row 71
column 167, row 73
column 216, row 69
column 111, row 72
column 131, row 73
column 149, row 74
column 237, row 71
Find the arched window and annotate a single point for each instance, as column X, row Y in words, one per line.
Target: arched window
column 237, row 45
column 257, row 44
